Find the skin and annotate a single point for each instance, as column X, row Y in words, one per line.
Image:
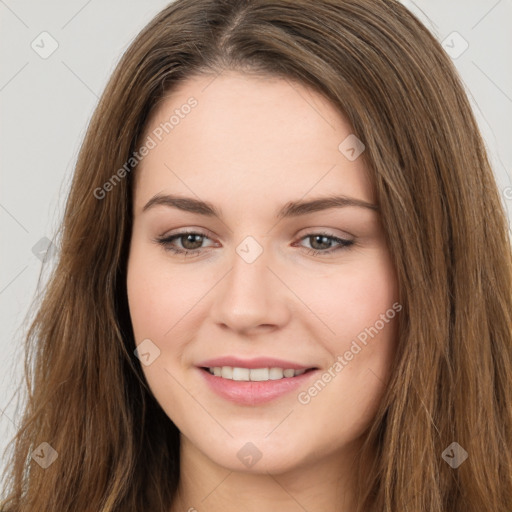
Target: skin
column 251, row 145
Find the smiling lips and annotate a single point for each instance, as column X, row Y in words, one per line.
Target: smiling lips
column 255, row 381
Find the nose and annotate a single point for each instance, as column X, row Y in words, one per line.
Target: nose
column 251, row 298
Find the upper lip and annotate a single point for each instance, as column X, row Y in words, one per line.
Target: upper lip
column 257, row 362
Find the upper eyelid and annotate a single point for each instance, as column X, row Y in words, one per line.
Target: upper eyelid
column 320, row 231
column 206, row 233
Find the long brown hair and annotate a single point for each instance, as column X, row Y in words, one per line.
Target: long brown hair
column 446, row 228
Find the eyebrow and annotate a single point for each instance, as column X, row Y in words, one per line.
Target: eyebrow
column 290, row 209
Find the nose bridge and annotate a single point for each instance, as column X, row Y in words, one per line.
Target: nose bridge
column 249, row 284
column 250, row 268
column 250, row 294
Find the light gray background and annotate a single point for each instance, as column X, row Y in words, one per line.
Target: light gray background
column 47, row 104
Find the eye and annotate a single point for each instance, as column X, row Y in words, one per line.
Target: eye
column 191, row 242
column 320, row 240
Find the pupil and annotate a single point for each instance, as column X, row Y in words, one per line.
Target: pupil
column 321, row 237
column 190, row 238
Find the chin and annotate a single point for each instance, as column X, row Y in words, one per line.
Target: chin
column 257, row 456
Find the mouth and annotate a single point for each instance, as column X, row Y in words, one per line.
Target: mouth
column 258, row 384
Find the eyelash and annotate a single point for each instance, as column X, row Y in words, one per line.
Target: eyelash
column 166, row 243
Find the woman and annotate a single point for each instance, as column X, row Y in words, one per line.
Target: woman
column 284, row 281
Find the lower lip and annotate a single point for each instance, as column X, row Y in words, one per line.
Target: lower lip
column 254, row 392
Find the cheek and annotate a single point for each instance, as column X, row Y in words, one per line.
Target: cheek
column 360, row 308
column 367, row 328
column 158, row 304
column 360, row 311
column 158, row 295
column 352, row 298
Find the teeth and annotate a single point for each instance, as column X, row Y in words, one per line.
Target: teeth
column 226, row 372
column 259, row 374
column 253, row 374
column 275, row 373
column 240, row 373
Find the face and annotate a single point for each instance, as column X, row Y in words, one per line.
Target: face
column 265, row 286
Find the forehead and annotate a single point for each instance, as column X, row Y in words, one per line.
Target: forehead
column 248, row 136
